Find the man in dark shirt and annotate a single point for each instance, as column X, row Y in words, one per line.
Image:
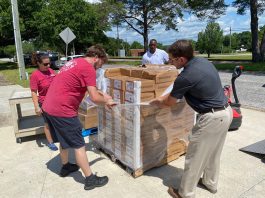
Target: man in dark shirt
column 201, row 86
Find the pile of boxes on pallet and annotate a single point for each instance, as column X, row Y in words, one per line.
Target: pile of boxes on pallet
column 88, row 114
column 139, row 135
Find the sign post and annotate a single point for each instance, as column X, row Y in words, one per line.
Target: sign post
column 67, row 35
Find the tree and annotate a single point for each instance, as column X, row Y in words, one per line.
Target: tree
column 211, row 39
column 262, row 44
column 84, row 19
column 41, row 22
column 256, row 9
column 244, row 40
column 136, row 45
column 27, row 9
column 200, row 45
column 235, row 44
column 143, row 15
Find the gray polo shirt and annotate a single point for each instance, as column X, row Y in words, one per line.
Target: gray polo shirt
column 200, row 84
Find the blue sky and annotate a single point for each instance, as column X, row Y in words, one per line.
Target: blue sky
column 189, row 27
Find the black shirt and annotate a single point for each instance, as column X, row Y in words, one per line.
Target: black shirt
column 200, row 84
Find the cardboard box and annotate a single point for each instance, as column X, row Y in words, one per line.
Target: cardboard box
column 119, row 82
column 161, row 88
column 118, row 95
column 110, row 72
column 91, row 110
column 88, row 121
column 160, row 76
column 145, row 97
column 137, row 72
column 126, row 71
column 146, row 85
column 151, row 136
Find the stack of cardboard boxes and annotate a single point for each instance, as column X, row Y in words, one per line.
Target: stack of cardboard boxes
column 139, row 135
column 88, row 114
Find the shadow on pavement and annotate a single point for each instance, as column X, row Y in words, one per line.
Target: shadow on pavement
column 170, row 175
column 55, row 164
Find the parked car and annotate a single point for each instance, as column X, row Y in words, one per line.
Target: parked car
column 63, row 60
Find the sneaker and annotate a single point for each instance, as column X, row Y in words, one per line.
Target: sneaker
column 203, row 186
column 52, row 146
column 94, row 181
column 68, row 168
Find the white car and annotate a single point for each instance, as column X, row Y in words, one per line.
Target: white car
column 63, row 60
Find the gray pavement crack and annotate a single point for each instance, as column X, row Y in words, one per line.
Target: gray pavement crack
column 45, row 176
column 241, row 196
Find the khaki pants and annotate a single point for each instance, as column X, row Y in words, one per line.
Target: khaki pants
column 204, row 151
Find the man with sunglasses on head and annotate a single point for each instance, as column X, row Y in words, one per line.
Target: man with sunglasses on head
column 75, row 78
column 200, row 84
column 154, row 55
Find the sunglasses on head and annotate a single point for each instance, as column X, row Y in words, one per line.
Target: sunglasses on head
column 46, row 64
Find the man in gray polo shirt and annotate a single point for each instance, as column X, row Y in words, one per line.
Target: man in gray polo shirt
column 154, row 55
column 201, row 86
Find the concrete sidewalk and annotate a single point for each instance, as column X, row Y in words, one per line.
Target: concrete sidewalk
column 30, row 169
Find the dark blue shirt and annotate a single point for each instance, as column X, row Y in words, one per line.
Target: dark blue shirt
column 200, row 84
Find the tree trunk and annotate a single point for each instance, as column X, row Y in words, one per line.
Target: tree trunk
column 254, row 31
column 262, row 47
column 145, row 35
column 208, row 53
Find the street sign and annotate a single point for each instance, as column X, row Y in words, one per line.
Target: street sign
column 67, row 35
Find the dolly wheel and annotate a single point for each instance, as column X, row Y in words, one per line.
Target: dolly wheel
column 19, row 140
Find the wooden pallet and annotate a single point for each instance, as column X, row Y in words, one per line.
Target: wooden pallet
column 136, row 173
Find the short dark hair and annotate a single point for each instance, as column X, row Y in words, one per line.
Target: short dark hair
column 97, row 51
column 152, row 40
column 181, row 48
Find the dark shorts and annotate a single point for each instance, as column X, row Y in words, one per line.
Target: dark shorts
column 67, row 131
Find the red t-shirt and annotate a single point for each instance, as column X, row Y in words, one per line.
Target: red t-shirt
column 40, row 81
column 69, row 87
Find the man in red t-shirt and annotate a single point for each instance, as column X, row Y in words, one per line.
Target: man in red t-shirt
column 61, row 109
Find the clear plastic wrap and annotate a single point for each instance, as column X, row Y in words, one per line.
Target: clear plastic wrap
column 143, row 136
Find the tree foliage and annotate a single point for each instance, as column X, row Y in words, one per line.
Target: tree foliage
column 41, row 22
column 81, row 17
column 256, row 8
column 143, row 15
column 27, row 10
column 211, row 39
column 136, row 45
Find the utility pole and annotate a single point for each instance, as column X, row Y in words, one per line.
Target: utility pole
column 230, row 40
column 118, row 39
column 19, row 51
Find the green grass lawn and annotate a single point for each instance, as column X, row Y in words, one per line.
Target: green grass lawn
column 11, row 73
column 257, row 67
column 228, row 57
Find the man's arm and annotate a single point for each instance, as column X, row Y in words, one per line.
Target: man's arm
column 164, row 101
column 99, row 97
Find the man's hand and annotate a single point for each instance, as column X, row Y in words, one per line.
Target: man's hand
column 38, row 111
column 110, row 103
column 157, row 102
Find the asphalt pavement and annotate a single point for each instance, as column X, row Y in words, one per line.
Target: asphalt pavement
column 250, row 89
